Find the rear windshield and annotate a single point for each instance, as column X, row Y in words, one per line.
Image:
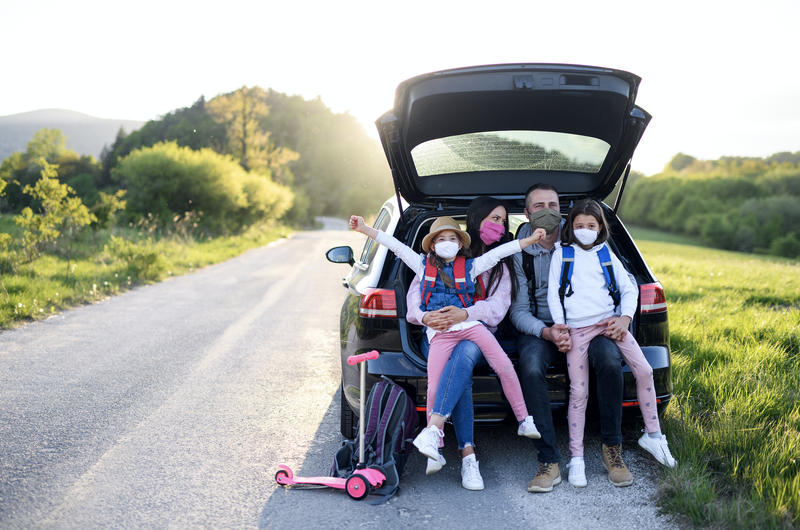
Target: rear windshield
column 509, row 150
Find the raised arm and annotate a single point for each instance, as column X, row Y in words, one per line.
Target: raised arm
column 404, row 252
column 491, row 258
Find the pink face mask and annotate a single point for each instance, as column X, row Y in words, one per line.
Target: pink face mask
column 491, row 232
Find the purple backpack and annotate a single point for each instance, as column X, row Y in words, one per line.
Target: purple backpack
column 391, row 419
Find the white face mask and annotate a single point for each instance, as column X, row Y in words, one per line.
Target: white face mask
column 446, row 249
column 585, row 236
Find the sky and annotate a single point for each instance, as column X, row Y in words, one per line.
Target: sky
column 719, row 78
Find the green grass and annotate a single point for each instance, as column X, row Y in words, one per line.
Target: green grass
column 47, row 285
column 734, row 423
column 663, row 237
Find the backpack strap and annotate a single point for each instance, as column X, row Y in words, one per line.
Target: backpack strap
column 373, row 413
column 394, row 394
column 429, row 281
column 608, row 271
column 568, row 261
column 460, row 277
column 530, row 274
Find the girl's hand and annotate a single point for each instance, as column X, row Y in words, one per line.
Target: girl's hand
column 532, row 239
column 456, row 315
column 357, row 223
column 437, row 321
column 616, row 327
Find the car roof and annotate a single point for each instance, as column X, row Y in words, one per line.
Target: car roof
column 495, row 130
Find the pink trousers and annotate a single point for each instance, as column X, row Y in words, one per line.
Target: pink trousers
column 443, row 345
column 578, row 368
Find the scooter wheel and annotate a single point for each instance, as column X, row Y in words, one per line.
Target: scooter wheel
column 357, row 487
column 281, row 476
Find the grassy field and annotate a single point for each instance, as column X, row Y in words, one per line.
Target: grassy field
column 101, row 266
column 734, row 424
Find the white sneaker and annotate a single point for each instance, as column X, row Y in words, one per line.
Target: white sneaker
column 577, row 473
column 658, row 448
column 528, row 429
column 427, row 441
column 435, row 465
column 470, row 475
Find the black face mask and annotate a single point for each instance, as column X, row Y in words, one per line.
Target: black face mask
column 547, row 219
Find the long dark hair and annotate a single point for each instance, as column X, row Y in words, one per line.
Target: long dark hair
column 584, row 207
column 479, row 209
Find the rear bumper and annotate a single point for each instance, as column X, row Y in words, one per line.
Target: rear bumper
column 490, row 404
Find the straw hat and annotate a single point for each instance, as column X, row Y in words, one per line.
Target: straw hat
column 444, row 223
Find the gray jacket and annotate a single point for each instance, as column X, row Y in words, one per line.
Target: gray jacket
column 527, row 316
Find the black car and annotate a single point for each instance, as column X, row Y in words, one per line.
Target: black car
column 495, row 130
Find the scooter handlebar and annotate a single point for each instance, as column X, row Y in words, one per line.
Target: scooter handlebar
column 369, row 356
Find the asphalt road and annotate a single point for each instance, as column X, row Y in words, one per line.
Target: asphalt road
column 171, row 406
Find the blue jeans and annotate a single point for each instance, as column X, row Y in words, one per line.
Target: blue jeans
column 454, row 394
column 535, row 355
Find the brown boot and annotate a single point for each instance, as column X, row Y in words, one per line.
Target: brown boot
column 618, row 473
column 547, row 477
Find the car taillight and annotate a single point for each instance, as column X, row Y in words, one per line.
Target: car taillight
column 652, row 298
column 377, row 303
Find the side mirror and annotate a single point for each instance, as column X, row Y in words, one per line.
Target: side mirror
column 341, row 255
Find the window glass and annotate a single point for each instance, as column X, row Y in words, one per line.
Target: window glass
column 509, row 150
column 371, row 246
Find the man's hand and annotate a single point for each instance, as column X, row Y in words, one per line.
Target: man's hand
column 616, row 327
column 444, row 318
column 558, row 335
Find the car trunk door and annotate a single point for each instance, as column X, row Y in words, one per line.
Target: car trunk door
column 495, row 130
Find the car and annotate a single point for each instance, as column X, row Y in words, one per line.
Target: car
column 457, row 134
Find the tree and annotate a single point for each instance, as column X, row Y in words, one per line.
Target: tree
column 191, row 127
column 681, row 161
column 23, row 169
column 108, row 158
column 60, row 213
column 105, row 208
column 242, row 112
column 48, row 144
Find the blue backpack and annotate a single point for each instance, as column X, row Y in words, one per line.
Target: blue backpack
column 568, row 261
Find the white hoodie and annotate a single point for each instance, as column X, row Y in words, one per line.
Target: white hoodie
column 590, row 302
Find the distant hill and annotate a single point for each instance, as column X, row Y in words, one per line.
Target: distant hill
column 85, row 134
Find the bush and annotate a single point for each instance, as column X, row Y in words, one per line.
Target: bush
column 719, row 232
column 787, row 246
column 142, row 261
column 167, row 180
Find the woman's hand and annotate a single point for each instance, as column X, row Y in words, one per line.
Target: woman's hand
column 444, row 318
column 616, row 327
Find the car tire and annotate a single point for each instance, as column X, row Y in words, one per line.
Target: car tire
column 348, row 418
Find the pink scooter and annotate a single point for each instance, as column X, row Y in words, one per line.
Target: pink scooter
column 360, row 482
